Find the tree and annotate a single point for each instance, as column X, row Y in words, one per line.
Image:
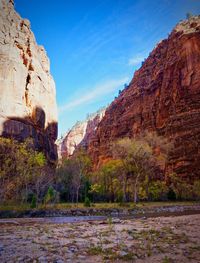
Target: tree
column 183, row 189
column 125, row 86
column 158, row 190
column 64, row 174
column 189, row 15
column 20, row 168
column 133, row 155
column 50, row 196
column 72, row 174
column 140, row 158
column 107, row 181
column 196, row 189
column 82, row 164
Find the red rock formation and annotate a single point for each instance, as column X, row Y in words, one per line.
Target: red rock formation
column 163, row 96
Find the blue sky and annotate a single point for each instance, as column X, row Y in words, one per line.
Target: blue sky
column 95, row 46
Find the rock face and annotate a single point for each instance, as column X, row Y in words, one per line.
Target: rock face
column 80, row 135
column 163, row 96
column 28, row 100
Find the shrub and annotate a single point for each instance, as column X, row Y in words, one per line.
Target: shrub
column 50, row 196
column 87, row 202
column 196, row 189
column 189, row 15
column 158, row 191
column 182, row 189
column 171, row 195
column 124, row 204
column 34, row 201
column 142, row 193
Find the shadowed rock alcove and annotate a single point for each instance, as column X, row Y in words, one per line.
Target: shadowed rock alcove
column 33, row 127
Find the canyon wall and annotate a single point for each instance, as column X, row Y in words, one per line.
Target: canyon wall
column 163, row 96
column 80, row 134
column 28, row 97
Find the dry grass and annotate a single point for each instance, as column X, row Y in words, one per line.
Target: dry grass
column 61, row 206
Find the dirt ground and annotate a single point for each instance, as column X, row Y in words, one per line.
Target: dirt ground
column 161, row 239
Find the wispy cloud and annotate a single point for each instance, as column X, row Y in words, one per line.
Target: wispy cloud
column 135, row 60
column 94, row 94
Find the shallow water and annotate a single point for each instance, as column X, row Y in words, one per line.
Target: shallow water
column 150, row 213
column 51, row 220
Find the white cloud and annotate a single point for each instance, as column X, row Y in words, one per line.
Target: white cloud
column 100, row 90
column 135, row 60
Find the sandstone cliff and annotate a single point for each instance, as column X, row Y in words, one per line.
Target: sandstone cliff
column 80, row 134
column 28, row 100
column 163, row 96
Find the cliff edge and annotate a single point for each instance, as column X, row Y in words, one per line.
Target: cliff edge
column 28, row 97
column 163, row 96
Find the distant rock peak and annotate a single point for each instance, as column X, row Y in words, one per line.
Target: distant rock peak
column 80, row 134
column 188, row 26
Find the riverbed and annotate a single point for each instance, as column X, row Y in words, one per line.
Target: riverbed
column 102, row 239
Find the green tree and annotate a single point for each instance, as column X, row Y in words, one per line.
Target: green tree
column 72, row 174
column 140, row 158
column 87, row 202
column 182, row 188
column 189, row 15
column 196, row 189
column 20, row 167
column 81, row 167
column 158, row 190
column 50, row 196
column 108, row 179
column 33, row 201
column 64, row 175
column 133, row 155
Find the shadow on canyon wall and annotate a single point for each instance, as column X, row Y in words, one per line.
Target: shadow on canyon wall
column 90, row 132
column 89, row 137
column 34, row 127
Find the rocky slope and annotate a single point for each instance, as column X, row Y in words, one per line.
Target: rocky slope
column 28, row 101
column 163, row 96
column 80, row 135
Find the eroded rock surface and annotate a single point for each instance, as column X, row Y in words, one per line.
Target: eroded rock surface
column 28, row 100
column 80, row 135
column 163, row 96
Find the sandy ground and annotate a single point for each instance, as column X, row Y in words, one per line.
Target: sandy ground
column 161, row 239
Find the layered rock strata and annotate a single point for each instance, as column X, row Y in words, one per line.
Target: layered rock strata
column 28, row 98
column 163, row 96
